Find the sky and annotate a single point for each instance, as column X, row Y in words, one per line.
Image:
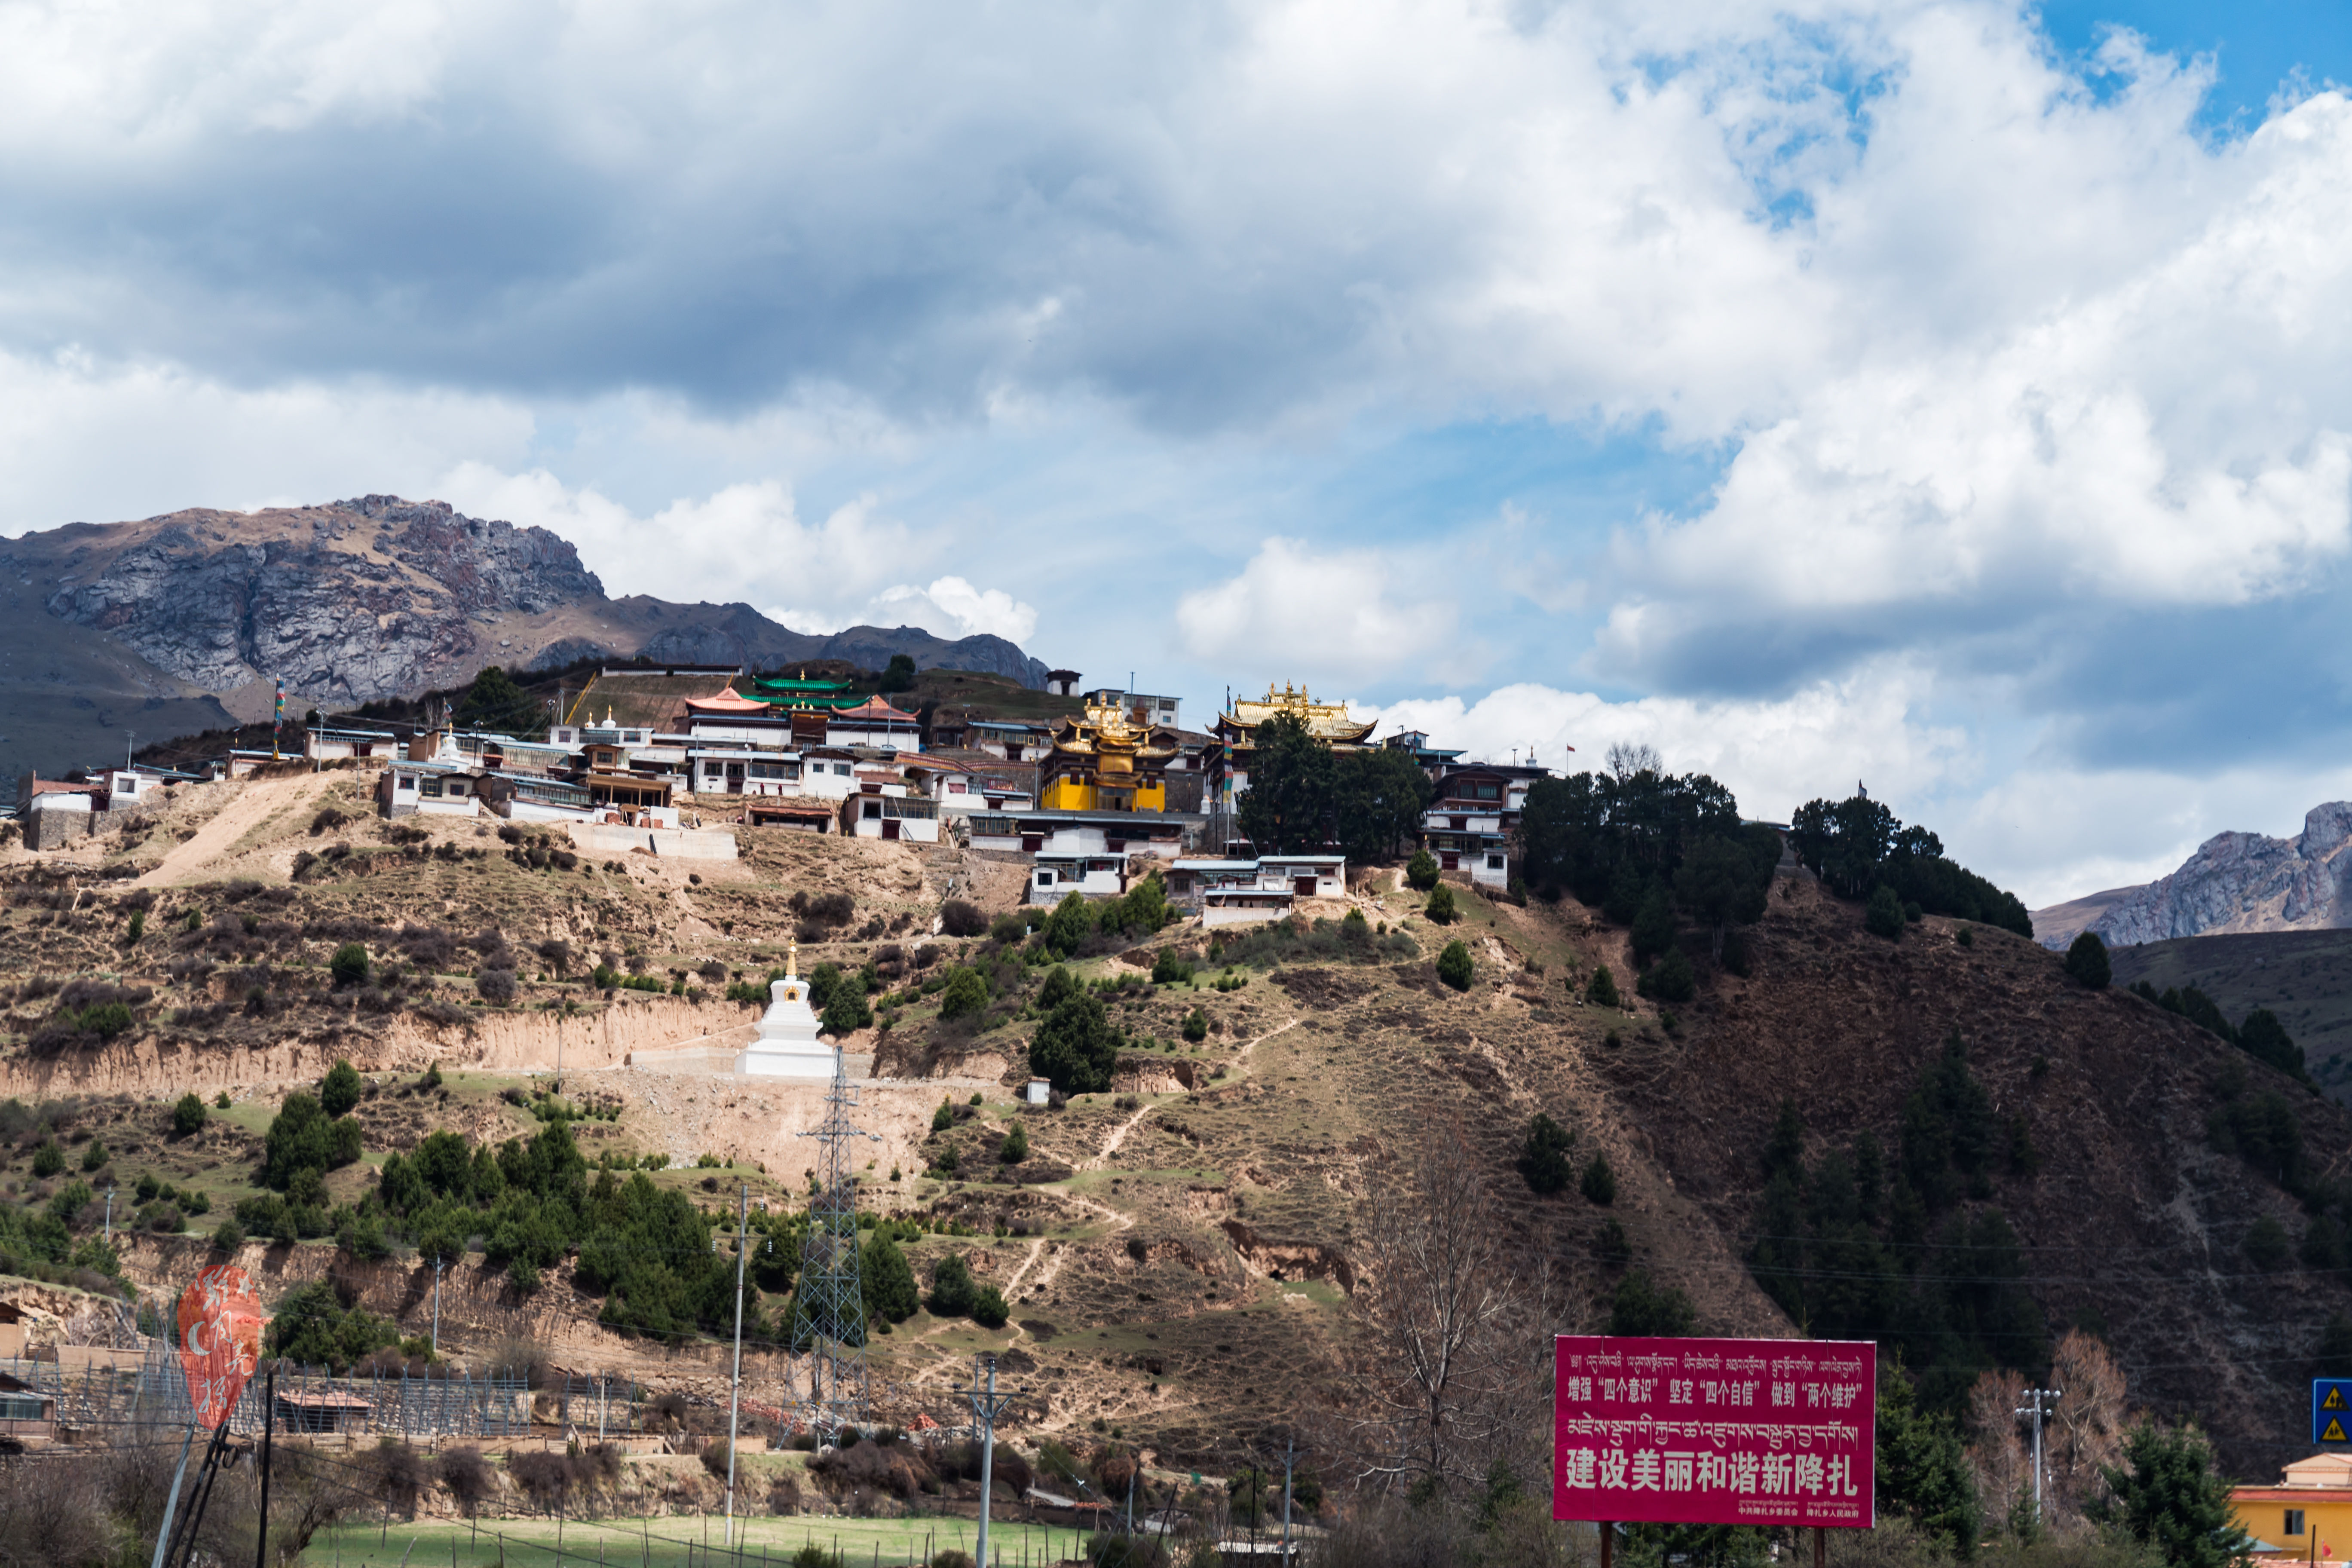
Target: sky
column 1948, row 397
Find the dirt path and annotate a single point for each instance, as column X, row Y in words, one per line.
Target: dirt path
column 1119, row 1134
column 216, row 838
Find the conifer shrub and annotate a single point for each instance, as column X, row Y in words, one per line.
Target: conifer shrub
column 1599, row 1183
column 1421, row 871
column 1602, row 989
column 2086, row 962
column 1196, row 1026
column 339, row 1090
column 188, row 1115
column 1671, row 979
column 1883, row 916
column 1454, row 965
column 1543, row 1160
column 1016, row 1147
column 1441, row 909
column 1653, row 928
column 348, row 967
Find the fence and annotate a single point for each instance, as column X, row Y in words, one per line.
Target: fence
column 155, row 1390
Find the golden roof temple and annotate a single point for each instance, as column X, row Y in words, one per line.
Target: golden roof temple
column 1107, row 761
column 1326, row 721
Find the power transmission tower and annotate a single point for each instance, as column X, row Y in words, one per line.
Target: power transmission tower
column 829, row 1301
column 2039, row 1400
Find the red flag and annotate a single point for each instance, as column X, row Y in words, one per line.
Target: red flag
column 219, row 1339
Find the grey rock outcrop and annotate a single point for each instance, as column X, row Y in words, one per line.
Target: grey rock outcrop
column 2245, row 883
column 377, row 596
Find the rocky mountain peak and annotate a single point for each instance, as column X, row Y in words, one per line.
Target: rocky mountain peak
column 2244, row 882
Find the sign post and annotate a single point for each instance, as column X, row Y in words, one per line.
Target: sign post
column 1742, row 1432
column 2331, row 1410
column 218, row 1334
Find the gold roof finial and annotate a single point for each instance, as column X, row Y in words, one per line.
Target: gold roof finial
column 791, row 958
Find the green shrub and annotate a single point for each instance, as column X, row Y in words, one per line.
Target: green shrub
column 349, row 966
column 1883, row 916
column 952, row 1290
column 2087, row 961
column 966, row 992
column 222, row 1100
column 48, row 1160
column 1196, row 1026
column 339, row 1090
column 1441, row 908
column 93, row 1154
column 1653, row 928
column 1059, row 984
column 1672, row 979
column 1016, row 1147
column 1642, row 1308
column 1543, row 1160
column 1599, row 1183
column 1077, row 1048
column 138, row 926
column 1602, row 989
column 943, row 1118
column 1167, row 969
column 988, row 1308
column 188, row 1115
column 228, row 1236
column 1421, row 871
column 1454, row 965
column 1008, row 928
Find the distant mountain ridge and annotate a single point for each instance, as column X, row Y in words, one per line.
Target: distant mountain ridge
column 2235, row 882
column 176, row 623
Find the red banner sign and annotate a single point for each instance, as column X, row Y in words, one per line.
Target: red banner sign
column 219, row 1340
column 1761, row 1432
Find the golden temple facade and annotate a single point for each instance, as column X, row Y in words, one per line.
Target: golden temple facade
column 1107, row 761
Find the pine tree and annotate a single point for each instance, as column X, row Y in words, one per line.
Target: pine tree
column 2166, row 1495
column 1543, row 1159
column 2086, row 962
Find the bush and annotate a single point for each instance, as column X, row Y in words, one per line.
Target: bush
column 1441, row 909
column 349, row 966
column 228, row 1236
column 965, row 993
column 188, row 1115
column 137, row 929
column 93, row 1154
column 1008, row 928
column 943, row 1118
column 1883, row 916
column 1599, row 1183
column 2266, row 1245
column 1077, row 1048
column 2087, row 961
column 1454, row 965
column 1421, row 871
column 1016, row 1147
column 1602, row 989
column 1196, row 1026
column 1642, row 1306
column 952, row 1290
column 48, row 1160
column 497, row 985
column 1543, row 1159
column 988, row 1308
column 1672, row 979
column 339, row 1090
column 1167, row 969
column 222, row 1100
column 961, row 918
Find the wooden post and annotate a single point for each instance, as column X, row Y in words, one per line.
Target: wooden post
column 1608, row 1534
column 1820, row 1547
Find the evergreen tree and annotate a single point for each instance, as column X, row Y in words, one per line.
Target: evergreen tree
column 2265, row 1038
column 1421, row 871
column 1599, row 1183
column 1454, row 965
column 1653, row 928
column 899, row 675
column 2167, row 1496
column 1602, row 989
column 1922, row 1469
column 2086, row 962
column 1640, row 1306
column 494, row 703
column 965, row 992
column 886, row 1279
column 1292, row 791
column 339, row 1090
column 1543, row 1159
column 1077, row 1048
column 1883, row 916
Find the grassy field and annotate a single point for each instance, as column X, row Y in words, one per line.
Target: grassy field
column 676, row 1540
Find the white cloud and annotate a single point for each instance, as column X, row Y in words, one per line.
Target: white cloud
column 1296, row 612
column 1774, row 755
column 952, row 602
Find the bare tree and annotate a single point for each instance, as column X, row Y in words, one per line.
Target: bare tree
column 1627, row 758
column 2092, row 1421
column 1997, row 1453
column 1454, row 1373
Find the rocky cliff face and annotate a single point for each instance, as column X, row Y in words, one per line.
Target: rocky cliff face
column 2245, row 883
column 344, row 603
column 378, row 597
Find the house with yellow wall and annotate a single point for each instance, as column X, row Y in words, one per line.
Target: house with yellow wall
column 2308, row 1516
column 1109, row 759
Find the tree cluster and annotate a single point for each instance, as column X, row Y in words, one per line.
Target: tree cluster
column 2261, row 1036
column 1856, row 845
column 1303, row 795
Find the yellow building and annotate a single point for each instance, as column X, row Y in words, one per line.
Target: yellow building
column 1107, row 761
column 1237, row 734
column 2307, row 1518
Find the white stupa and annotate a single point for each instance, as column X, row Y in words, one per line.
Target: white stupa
column 787, row 1045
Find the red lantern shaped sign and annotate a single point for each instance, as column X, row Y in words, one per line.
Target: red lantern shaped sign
column 219, row 1340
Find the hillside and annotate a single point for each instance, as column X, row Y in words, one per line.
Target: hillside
column 2305, row 977
column 176, row 623
column 1186, row 1256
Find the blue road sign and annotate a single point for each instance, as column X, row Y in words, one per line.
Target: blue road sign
column 2331, row 1410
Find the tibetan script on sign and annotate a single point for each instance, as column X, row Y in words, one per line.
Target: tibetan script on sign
column 1763, row 1432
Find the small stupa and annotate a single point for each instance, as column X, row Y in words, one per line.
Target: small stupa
column 787, row 1045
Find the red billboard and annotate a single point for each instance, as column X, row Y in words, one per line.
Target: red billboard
column 1761, row 1432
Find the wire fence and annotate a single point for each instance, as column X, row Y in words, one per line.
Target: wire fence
column 109, row 1389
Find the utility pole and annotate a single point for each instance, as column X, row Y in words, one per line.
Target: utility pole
column 110, row 1214
column 437, row 1306
column 1289, row 1461
column 984, row 1407
column 2036, row 1410
column 268, row 1425
column 735, row 1384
